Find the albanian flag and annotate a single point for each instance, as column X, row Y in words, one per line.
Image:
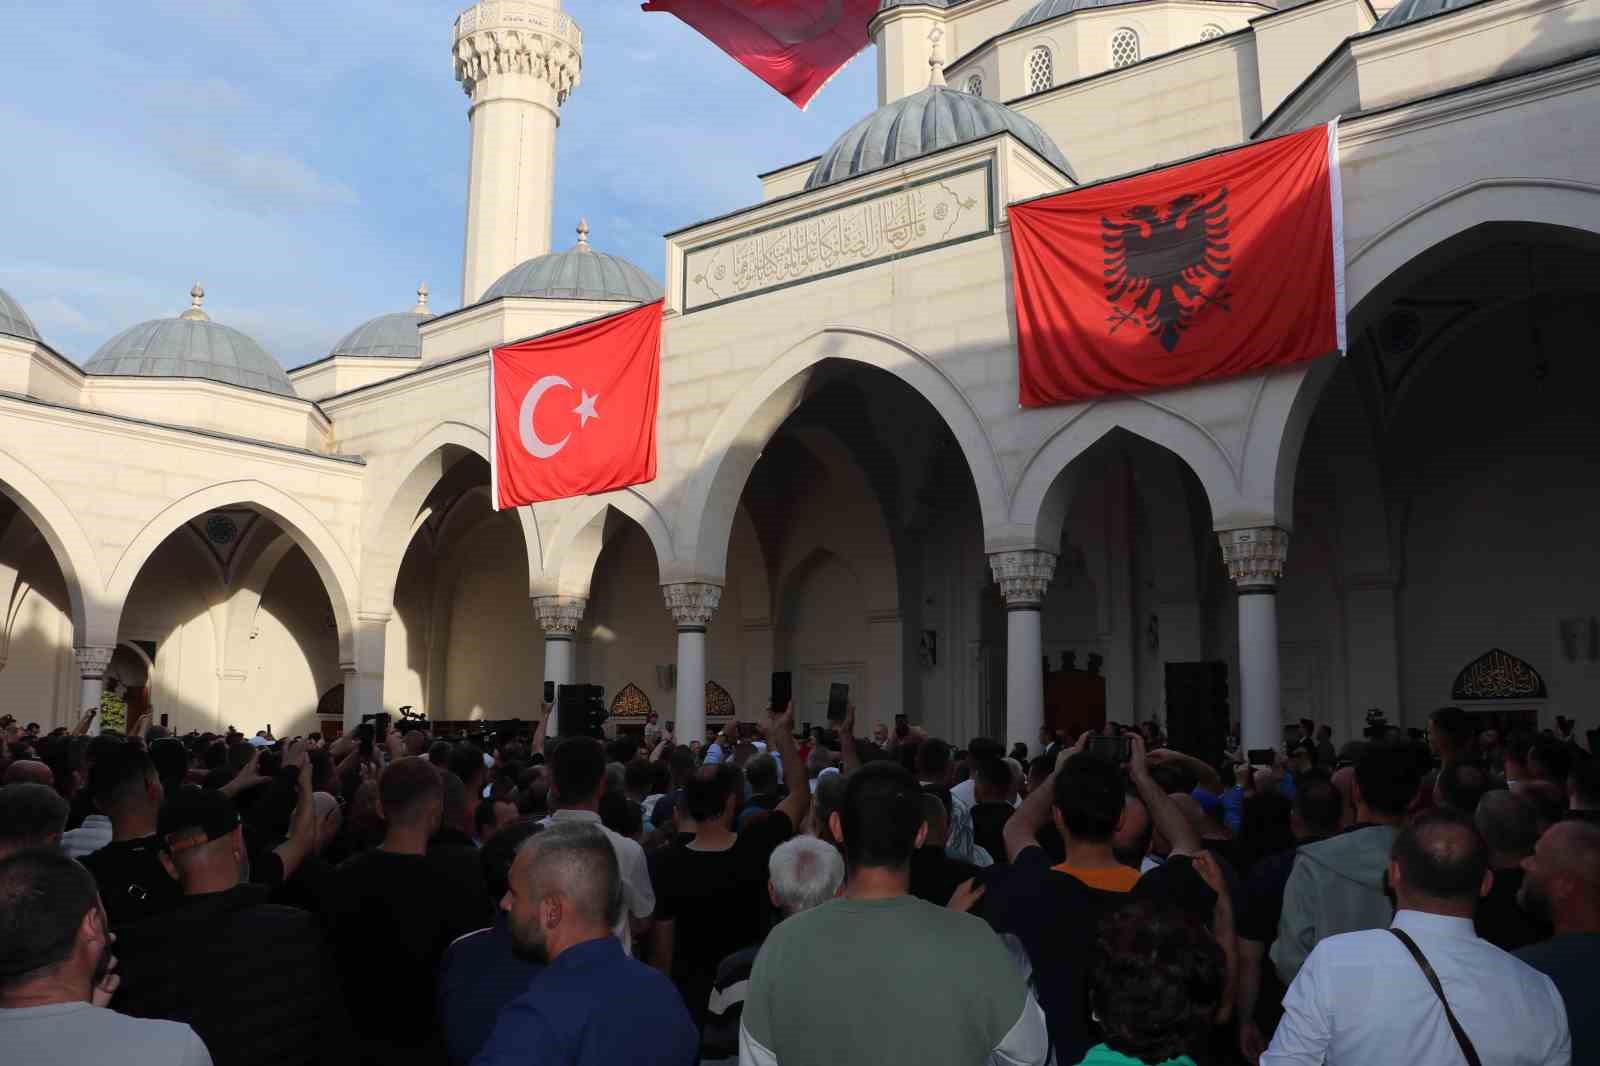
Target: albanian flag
column 1222, row 266
column 573, row 412
column 795, row 46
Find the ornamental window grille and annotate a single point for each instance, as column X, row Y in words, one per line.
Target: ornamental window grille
column 975, row 85
column 1210, row 33
column 1041, row 70
column 1124, row 48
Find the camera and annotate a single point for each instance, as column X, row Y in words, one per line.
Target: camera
column 1377, row 725
column 410, row 721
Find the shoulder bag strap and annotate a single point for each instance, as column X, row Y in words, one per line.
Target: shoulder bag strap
column 1449, row 1015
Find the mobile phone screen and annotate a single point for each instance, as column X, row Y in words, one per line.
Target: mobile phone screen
column 838, row 701
column 550, row 692
column 782, row 690
column 1111, row 749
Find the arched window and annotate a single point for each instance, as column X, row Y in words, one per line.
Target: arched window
column 1209, row 33
column 1041, row 69
column 975, row 85
column 1124, row 48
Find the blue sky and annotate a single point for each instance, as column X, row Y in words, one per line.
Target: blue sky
column 307, row 161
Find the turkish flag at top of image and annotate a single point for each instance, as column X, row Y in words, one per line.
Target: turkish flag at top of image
column 795, row 46
column 1218, row 267
column 574, row 412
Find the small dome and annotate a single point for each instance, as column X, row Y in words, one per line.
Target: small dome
column 15, row 321
column 1412, row 10
column 190, row 346
column 924, row 122
column 579, row 273
column 1045, row 10
column 391, row 336
column 885, row 5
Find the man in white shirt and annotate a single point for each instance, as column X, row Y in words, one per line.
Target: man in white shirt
column 1362, row 997
column 57, row 975
column 577, row 781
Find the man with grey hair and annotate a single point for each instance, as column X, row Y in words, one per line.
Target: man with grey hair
column 563, row 898
column 804, row 873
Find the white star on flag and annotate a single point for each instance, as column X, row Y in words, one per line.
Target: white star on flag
column 585, row 410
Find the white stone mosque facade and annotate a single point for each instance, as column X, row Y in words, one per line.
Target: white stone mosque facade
column 847, row 486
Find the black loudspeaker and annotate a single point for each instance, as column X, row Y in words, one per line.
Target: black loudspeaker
column 1198, row 714
column 581, row 711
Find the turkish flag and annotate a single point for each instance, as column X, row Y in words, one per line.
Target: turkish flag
column 574, row 412
column 1222, row 266
column 795, row 46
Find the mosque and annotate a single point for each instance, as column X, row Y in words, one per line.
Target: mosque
column 847, row 487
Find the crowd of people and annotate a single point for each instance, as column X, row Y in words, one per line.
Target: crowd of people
column 393, row 897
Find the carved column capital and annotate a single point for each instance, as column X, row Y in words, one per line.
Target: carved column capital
column 92, row 662
column 518, row 37
column 1023, row 576
column 693, row 603
column 1255, row 557
column 559, row 615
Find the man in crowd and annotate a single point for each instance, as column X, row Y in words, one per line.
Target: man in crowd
column 1365, row 997
column 392, row 914
column 1583, row 790
column 935, row 772
column 804, row 873
column 482, row 971
column 935, row 875
column 1563, row 888
column 1327, row 755
column 56, row 975
column 254, row 979
column 1450, row 735
column 994, row 788
column 31, row 816
column 1460, row 785
column 878, row 945
column 564, row 900
column 1337, row 885
column 578, row 780
column 712, row 897
column 134, row 882
column 1510, row 829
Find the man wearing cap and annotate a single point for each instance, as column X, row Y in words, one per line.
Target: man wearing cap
column 255, row 980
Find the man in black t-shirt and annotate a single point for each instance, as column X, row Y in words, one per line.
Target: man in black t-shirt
column 993, row 788
column 392, row 913
column 935, row 874
column 134, row 884
column 711, row 893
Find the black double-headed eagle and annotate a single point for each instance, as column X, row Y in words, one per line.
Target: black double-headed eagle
column 1163, row 267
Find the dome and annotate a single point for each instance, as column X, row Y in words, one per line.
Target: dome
column 1412, row 10
column 579, row 273
column 190, row 346
column 15, row 321
column 926, row 121
column 391, row 336
column 1045, row 10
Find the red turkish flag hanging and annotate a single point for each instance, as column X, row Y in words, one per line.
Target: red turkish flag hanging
column 574, row 412
column 795, row 46
column 1204, row 270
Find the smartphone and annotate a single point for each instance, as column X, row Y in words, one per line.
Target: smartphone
column 550, row 693
column 669, row 727
column 838, row 701
column 782, row 690
column 902, row 726
column 163, row 721
column 1111, row 749
column 1260, row 756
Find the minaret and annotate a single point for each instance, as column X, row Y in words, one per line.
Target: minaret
column 518, row 61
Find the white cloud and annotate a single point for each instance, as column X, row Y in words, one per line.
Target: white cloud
column 257, row 180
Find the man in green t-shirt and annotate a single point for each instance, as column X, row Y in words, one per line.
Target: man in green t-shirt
column 879, row 975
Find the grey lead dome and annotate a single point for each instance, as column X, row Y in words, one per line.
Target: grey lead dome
column 1045, row 10
column 15, row 321
column 1412, row 10
column 579, row 273
column 937, row 117
column 190, row 346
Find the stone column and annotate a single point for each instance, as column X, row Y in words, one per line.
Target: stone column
column 363, row 677
column 92, row 663
column 1023, row 577
column 559, row 617
column 693, row 604
column 1255, row 559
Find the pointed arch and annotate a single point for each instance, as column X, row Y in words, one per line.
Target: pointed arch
column 326, row 555
column 703, row 517
column 67, row 541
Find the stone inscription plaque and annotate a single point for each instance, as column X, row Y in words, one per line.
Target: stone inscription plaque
column 914, row 218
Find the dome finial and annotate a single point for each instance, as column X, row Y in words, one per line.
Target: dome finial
column 583, row 233
column 935, row 58
column 422, row 300
column 197, row 299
